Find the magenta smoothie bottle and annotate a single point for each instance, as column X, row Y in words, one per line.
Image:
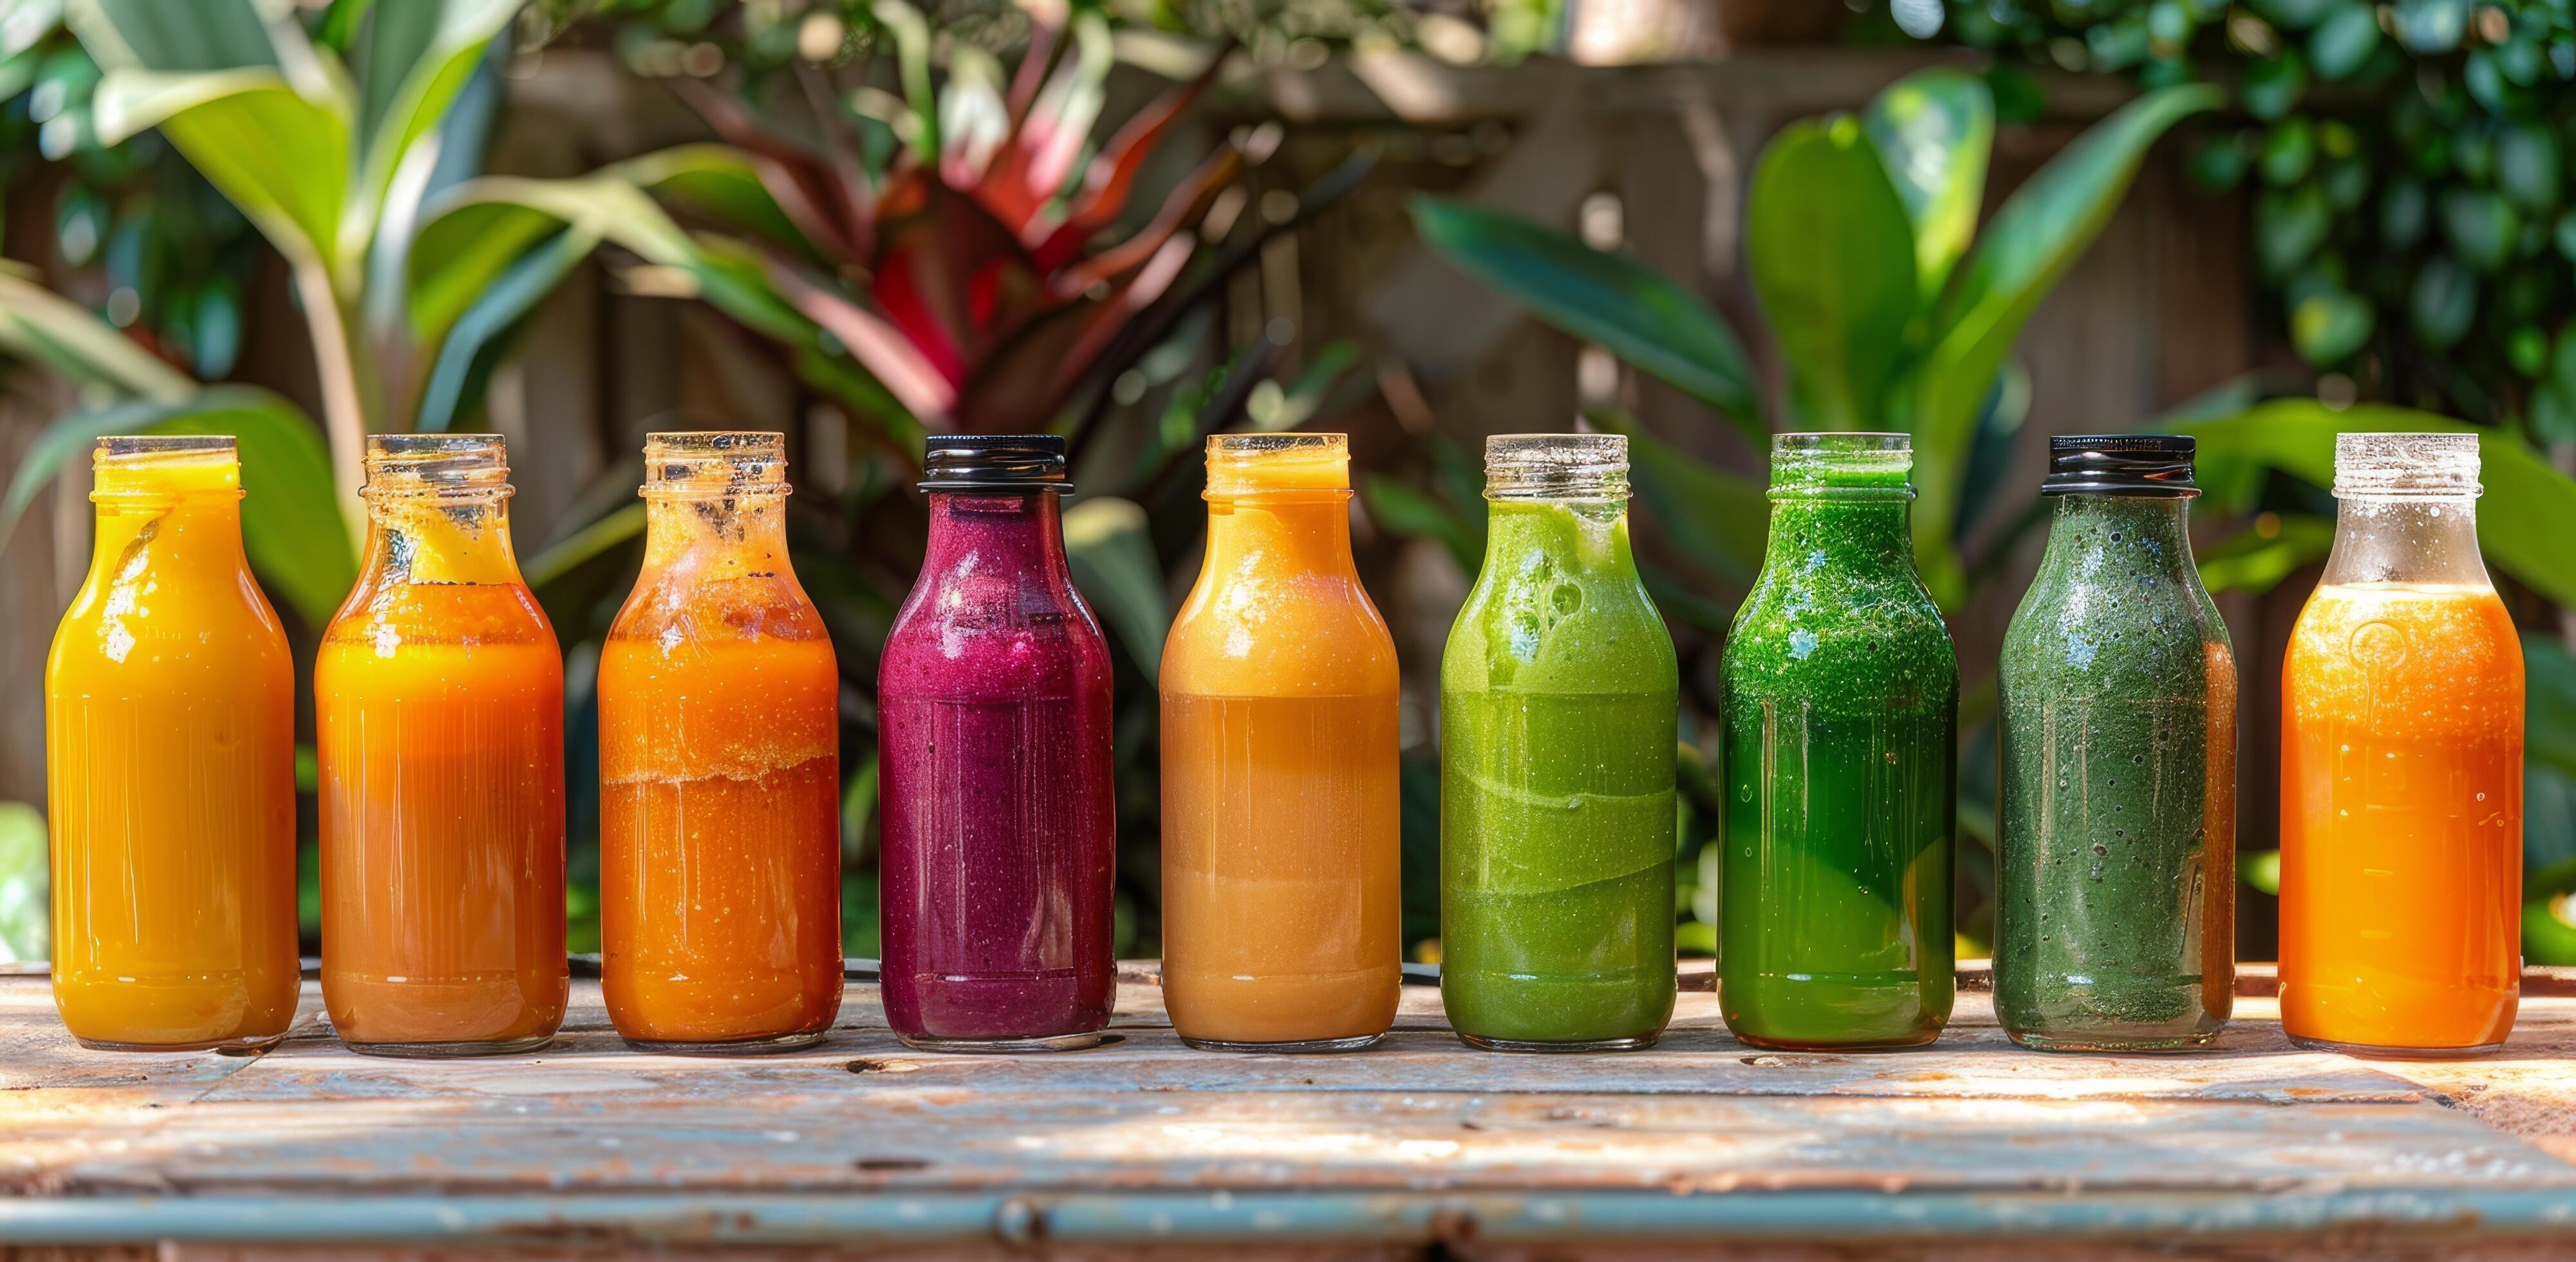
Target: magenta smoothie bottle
column 1000, row 830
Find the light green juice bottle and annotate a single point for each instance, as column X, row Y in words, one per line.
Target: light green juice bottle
column 1557, row 700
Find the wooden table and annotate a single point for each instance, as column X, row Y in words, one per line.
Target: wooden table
column 1421, row 1148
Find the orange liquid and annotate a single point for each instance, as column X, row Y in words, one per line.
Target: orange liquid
column 170, row 758
column 720, row 837
column 440, row 711
column 2401, row 818
column 1280, row 913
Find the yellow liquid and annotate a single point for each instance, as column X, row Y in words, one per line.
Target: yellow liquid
column 1280, row 861
column 170, row 757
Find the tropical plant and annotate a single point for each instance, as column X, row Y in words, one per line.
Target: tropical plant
column 2406, row 165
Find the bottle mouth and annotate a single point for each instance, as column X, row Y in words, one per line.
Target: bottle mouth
column 1255, row 464
column 444, row 465
column 715, row 463
column 2121, row 464
column 1563, row 468
column 994, row 462
column 161, row 466
column 1858, row 465
column 2406, row 466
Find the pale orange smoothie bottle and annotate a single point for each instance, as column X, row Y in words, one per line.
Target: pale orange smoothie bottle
column 1280, row 928
column 719, row 763
column 170, row 767
column 2401, row 769
column 439, row 702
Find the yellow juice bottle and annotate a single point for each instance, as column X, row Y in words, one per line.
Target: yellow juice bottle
column 170, row 767
column 438, row 697
column 1280, row 911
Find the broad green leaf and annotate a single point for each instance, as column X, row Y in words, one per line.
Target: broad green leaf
column 593, row 540
column 1112, row 554
column 1934, row 130
column 2549, row 702
column 2524, row 522
column 419, row 55
column 722, row 184
column 173, row 35
column 1832, row 255
column 291, row 524
column 25, row 877
column 1601, row 297
column 280, row 156
column 1721, row 520
column 2032, row 241
column 40, row 326
column 2256, row 560
column 1407, row 512
column 511, row 296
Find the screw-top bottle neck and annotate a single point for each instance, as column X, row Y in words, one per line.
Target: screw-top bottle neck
column 457, row 467
column 2406, row 466
column 1557, row 468
column 1292, row 464
column 715, row 464
column 146, row 470
column 1842, row 466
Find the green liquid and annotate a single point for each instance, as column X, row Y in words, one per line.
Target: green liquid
column 2116, row 860
column 1557, row 700
column 1841, row 716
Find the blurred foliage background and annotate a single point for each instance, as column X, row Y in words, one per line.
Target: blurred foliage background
column 855, row 178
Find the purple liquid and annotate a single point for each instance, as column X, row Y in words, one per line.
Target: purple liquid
column 999, row 817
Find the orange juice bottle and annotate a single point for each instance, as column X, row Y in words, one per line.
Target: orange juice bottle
column 719, row 765
column 439, row 702
column 1280, row 928
column 2401, row 769
column 170, row 760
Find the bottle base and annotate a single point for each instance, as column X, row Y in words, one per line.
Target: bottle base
column 2374, row 1051
column 1634, row 1043
column 2113, row 1043
column 450, row 1051
column 1007, row 1046
column 761, row 1045
column 1819, row 1045
column 248, row 1045
column 1298, row 1047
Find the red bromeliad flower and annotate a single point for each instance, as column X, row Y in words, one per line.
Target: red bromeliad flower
column 974, row 286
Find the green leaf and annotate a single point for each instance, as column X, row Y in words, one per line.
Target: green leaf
column 2329, row 326
column 2443, row 301
column 2549, row 706
column 2032, row 241
column 2289, row 225
column 172, row 35
column 508, row 300
column 1934, row 131
column 1832, row 256
column 2524, row 522
column 1409, row 513
column 279, row 156
column 2260, row 869
column 291, row 524
column 2257, row 559
column 419, row 55
column 2430, row 28
column 2527, row 166
column 2481, row 227
column 1601, row 297
column 2344, row 42
column 2273, row 85
column 1111, row 549
column 25, row 932
column 42, row 327
column 1721, row 520
column 594, row 540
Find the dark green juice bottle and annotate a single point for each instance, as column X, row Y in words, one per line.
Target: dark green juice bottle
column 2116, row 854
column 1841, row 714
column 1558, row 696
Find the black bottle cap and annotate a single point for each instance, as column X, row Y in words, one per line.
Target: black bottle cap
column 2120, row 464
column 994, row 462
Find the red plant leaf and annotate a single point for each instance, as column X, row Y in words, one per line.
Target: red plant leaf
column 877, row 345
column 830, row 194
column 1188, row 203
column 951, row 275
column 1112, row 177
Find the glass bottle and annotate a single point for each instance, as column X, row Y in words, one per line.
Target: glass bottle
column 170, row 760
column 1558, row 701
column 1840, row 714
column 719, row 767
column 438, row 698
column 2401, row 769
column 1280, row 914
column 2116, row 859
column 1000, row 820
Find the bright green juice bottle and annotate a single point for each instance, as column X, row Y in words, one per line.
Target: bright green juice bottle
column 1557, row 701
column 1841, row 713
